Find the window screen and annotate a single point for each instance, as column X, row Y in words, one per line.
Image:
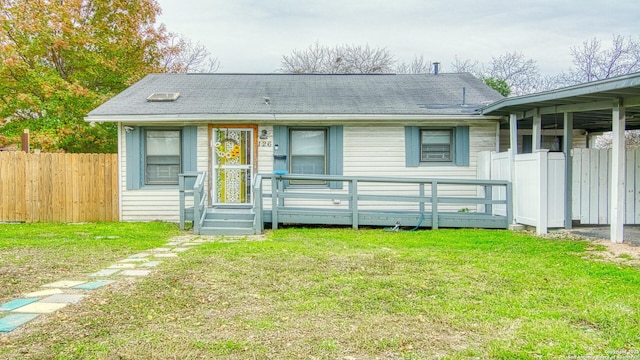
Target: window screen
column 162, row 156
column 436, row 145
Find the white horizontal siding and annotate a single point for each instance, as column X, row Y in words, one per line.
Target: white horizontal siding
column 380, row 151
column 368, row 151
column 156, row 204
column 151, row 205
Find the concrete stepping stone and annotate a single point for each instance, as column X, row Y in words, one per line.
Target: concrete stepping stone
column 161, row 249
column 151, row 264
column 64, row 298
column 135, row 272
column 166, row 255
column 139, row 256
column 122, row 266
column 136, row 260
column 104, row 273
column 18, row 303
column 94, row 285
column 180, row 249
column 65, row 284
column 44, row 293
column 12, row 321
column 40, row 308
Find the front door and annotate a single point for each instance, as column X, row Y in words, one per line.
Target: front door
column 232, row 154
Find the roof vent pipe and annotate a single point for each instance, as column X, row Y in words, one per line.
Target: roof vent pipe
column 464, row 95
column 436, row 68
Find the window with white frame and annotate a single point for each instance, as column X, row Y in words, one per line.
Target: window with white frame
column 162, row 157
column 436, row 145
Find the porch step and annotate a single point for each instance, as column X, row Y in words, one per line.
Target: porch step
column 228, row 222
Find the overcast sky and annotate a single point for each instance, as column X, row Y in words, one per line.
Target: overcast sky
column 252, row 36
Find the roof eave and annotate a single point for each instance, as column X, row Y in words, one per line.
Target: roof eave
column 611, row 84
column 262, row 118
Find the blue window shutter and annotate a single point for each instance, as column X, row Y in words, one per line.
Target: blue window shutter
column 412, row 146
column 462, row 145
column 189, row 149
column 135, row 151
column 336, row 152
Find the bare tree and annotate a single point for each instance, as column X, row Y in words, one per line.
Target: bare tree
column 592, row 61
column 417, row 66
column 181, row 55
column 520, row 73
column 470, row 66
column 340, row 59
column 605, row 141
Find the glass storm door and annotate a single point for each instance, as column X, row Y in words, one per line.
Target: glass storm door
column 232, row 154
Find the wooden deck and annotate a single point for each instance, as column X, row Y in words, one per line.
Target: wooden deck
column 372, row 201
column 364, row 201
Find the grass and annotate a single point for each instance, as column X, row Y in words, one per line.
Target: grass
column 344, row 294
column 36, row 254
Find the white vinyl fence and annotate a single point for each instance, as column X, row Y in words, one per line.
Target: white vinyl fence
column 592, row 188
column 538, row 185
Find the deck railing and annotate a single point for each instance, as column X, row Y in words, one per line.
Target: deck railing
column 192, row 184
column 374, row 201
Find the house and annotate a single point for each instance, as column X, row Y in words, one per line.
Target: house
column 233, row 127
column 428, row 150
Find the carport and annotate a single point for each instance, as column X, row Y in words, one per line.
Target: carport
column 606, row 105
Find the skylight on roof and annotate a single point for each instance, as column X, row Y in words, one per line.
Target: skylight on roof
column 164, row 96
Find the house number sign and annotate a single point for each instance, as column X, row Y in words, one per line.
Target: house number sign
column 265, row 143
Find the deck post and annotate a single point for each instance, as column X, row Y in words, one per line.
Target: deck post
column 488, row 195
column 257, row 205
column 274, row 203
column 181, row 188
column 434, row 205
column 196, row 210
column 421, row 194
column 353, row 202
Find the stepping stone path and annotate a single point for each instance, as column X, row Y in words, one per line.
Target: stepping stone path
column 55, row 296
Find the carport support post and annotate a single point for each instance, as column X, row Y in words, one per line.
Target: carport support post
column 513, row 147
column 617, row 172
column 567, row 146
column 536, row 136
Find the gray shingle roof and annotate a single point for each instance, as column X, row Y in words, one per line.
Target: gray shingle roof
column 305, row 94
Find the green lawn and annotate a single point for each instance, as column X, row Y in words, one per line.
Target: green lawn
column 345, row 294
column 36, row 254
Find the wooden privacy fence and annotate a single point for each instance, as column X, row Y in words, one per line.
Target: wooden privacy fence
column 58, row 187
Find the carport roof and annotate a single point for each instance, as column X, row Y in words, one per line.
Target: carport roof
column 591, row 103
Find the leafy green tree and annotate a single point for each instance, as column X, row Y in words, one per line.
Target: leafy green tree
column 60, row 59
column 499, row 85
